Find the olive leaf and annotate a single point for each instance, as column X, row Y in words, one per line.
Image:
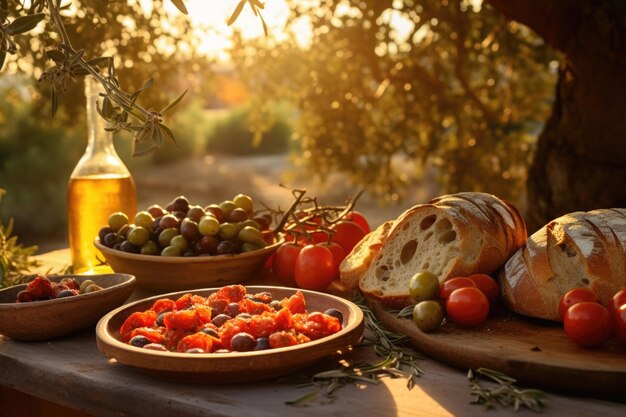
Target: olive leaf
column 25, row 23
column 175, row 102
column 54, row 100
column 55, row 55
column 134, row 95
column 237, row 12
column 168, row 133
column 180, row 5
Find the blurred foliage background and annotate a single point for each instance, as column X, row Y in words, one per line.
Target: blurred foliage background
column 362, row 88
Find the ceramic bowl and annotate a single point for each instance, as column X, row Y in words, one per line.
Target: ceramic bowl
column 220, row 368
column 43, row 320
column 160, row 274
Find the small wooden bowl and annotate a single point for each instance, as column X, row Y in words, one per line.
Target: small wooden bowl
column 43, row 320
column 159, row 274
column 217, row 368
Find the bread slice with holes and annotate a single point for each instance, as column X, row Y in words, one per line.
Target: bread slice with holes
column 575, row 250
column 354, row 266
column 452, row 235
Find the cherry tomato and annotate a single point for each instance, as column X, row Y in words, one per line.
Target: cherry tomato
column 588, row 324
column 487, row 285
column 576, row 296
column 359, row 219
column 347, row 234
column 284, row 263
column 618, row 300
column 453, row 284
column 467, row 306
column 315, row 268
column 620, row 323
column 338, row 254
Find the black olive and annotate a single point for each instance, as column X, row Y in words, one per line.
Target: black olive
column 242, row 342
column 65, row 293
column 139, row 341
column 232, row 309
column 262, row 343
column 210, row 332
column 276, row 305
column 335, row 313
column 220, row 319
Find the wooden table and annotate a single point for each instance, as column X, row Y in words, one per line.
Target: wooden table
column 70, row 377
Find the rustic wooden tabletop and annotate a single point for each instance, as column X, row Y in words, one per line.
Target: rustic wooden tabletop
column 71, row 372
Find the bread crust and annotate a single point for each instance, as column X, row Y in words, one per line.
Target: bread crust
column 359, row 259
column 575, row 250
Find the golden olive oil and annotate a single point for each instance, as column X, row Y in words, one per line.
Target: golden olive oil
column 90, row 201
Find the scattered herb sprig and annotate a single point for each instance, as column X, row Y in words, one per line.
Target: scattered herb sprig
column 15, row 260
column 506, row 394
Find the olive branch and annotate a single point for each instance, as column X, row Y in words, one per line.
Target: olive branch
column 118, row 107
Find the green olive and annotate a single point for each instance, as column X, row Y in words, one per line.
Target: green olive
column 139, row 235
column 117, row 220
column 428, row 315
column 424, row 286
column 227, row 207
column 249, row 247
column 228, row 231
column 180, row 242
column 92, row 288
column 150, row 248
column 85, row 284
column 171, row 251
column 144, row 219
column 244, row 202
column 165, row 237
column 251, row 223
column 209, row 226
column 251, row 235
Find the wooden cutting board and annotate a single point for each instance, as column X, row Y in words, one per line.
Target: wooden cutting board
column 536, row 353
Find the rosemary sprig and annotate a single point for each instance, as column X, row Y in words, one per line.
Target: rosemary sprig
column 506, row 394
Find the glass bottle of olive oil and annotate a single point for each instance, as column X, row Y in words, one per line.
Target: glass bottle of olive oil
column 99, row 185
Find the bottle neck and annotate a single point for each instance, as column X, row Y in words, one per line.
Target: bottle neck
column 100, row 157
column 99, row 139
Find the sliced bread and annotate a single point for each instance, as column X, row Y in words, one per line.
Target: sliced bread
column 453, row 235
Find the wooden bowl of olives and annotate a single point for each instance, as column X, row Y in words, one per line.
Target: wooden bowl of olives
column 184, row 246
column 54, row 317
column 159, row 274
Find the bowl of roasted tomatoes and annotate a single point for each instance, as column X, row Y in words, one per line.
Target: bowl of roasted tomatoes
column 229, row 334
column 50, row 307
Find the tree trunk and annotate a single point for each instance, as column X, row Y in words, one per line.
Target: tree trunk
column 580, row 161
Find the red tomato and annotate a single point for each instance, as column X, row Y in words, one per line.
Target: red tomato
column 338, row 254
column 453, row 284
column 284, row 263
column 347, row 234
column 618, row 300
column 620, row 323
column 487, row 285
column 315, row 268
column 467, row 306
column 588, row 324
column 575, row 296
column 359, row 219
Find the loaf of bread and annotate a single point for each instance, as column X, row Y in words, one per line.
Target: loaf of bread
column 452, row 235
column 353, row 267
column 576, row 250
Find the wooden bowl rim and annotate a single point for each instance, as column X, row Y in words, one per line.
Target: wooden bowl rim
column 102, row 333
column 188, row 259
column 127, row 280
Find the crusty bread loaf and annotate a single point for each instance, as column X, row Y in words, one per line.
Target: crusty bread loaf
column 576, row 250
column 452, row 235
column 358, row 260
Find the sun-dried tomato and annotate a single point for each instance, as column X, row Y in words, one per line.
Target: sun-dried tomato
column 295, row 303
column 282, row 339
column 196, row 341
column 232, row 293
column 164, row 304
column 135, row 320
column 153, row 335
column 254, row 307
column 262, row 325
column 183, row 302
column 40, row 288
column 231, row 328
